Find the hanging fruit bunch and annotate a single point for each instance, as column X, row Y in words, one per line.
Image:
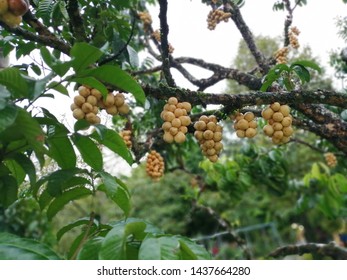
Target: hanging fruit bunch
column 245, row 125
column 126, row 135
column 11, row 11
column 155, row 165
column 87, row 103
column 209, row 135
column 330, row 159
column 279, row 126
column 176, row 120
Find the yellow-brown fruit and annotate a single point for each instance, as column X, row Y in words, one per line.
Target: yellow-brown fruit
column 109, row 101
column 285, row 110
column 96, row 93
column 267, row 113
column 253, row 124
column 204, row 119
column 217, row 136
column 95, row 110
column 166, row 126
column 73, row 106
column 176, row 122
column 79, row 100
column 330, row 159
column 187, row 106
column 288, row 131
column 242, row 124
column 240, row 133
column 173, row 131
column 268, row 130
column 155, row 165
column 126, row 135
column 218, row 146
column 277, row 126
column 199, row 135
column 200, row 125
column 250, row 132
column 178, row 112
column 87, row 108
column 3, row 6
column 112, row 110
column 78, row 114
column 172, row 101
column 249, row 116
column 96, row 120
column 90, row 117
column 168, row 116
column 275, row 106
column 278, row 134
column 92, row 100
column 208, row 134
column 124, row 109
column 277, row 117
column 180, row 137
column 213, row 158
column 18, row 7
column 287, row 121
column 185, row 120
column 84, row 91
column 119, row 99
column 183, row 129
column 168, row 137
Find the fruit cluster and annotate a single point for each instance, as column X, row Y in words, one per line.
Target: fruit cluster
column 245, row 125
column 126, row 135
column 279, row 126
column 216, row 16
column 88, row 101
column 281, row 55
column 293, row 37
column 209, row 135
column 145, row 17
column 155, row 165
column 330, row 159
column 11, row 11
column 156, row 36
column 176, row 120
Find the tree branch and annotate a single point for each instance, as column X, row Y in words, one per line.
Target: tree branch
column 76, row 21
column 323, row 250
column 164, row 31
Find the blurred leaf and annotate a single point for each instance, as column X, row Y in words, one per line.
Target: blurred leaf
column 84, row 55
column 14, row 82
column 307, row 64
column 7, row 117
column 113, row 246
column 16, row 248
column 57, row 86
column 193, row 251
column 8, row 190
column 90, row 250
column 159, row 248
column 68, row 227
column 27, row 166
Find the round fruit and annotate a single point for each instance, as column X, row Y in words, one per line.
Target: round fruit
column 124, row 109
column 267, row 113
column 166, row 125
column 3, row 6
column 92, row 100
column 84, row 91
column 18, row 7
column 277, row 117
column 288, row 131
column 90, row 117
column 78, row 114
column 173, row 131
column 180, row 137
column 204, row 119
column 240, row 133
column 109, row 100
column 119, row 99
column 178, row 112
column 87, row 108
column 287, row 121
column 253, row 124
column 277, row 126
column 208, row 134
column 185, row 120
column 187, row 106
column 168, row 116
column 213, row 158
column 285, row 110
column 112, row 110
column 183, row 129
column 168, row 138
column 200, row 125
column 242, row 124
column 10, row 19
column 198, row 135
column 278, row 134
column 211, row 126
column 275, row 106
column 96, row 93
column 79, row 100
column 172, row 101
column 73, row 106
column 176, row 122
column 249, row 116
column 217, row 136
column 268, row 130
column 250, row 132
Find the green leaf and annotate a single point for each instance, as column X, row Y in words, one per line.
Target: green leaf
column 57, row 86
column 307, row 64
column 84, row 55
column 15, row 248
column 92, row 82
column 113, row 141
column 61, row 149
column 116, row 190
column 192, row 251
column 27, row 166
column 89, row 151
column 81, row 125
column 119, row 78
column 302, row 73
column 8, row 116
column 8, row 190
column 14, row 82
column 90, row 250
column 159, row 248
column 133, row 57
column 68, row 196
column 57, row 66
column 68, row 227
column 113, row 247
column 16, row 170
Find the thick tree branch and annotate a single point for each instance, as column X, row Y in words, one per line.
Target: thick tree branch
column 76, row 21
column 247, row 35
column 164, row 31
column 323, row 250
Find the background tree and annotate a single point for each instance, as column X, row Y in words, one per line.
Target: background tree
column 92, row 47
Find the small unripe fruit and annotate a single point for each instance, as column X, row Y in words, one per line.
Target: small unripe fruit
column 124, row 109
column 180, row 137
column 267, row 113
column 84, row 91
column 275, row 106
column 92, row 100
column 277, row 117
column 176, row 122
column 119, row 99
column 79, row 100
column 112, row 110
column 250, row 133
column 78, row 114
column 168, row 138
column 172, row 101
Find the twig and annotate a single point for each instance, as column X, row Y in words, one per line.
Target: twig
column 324, row 250
column 76, row 21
